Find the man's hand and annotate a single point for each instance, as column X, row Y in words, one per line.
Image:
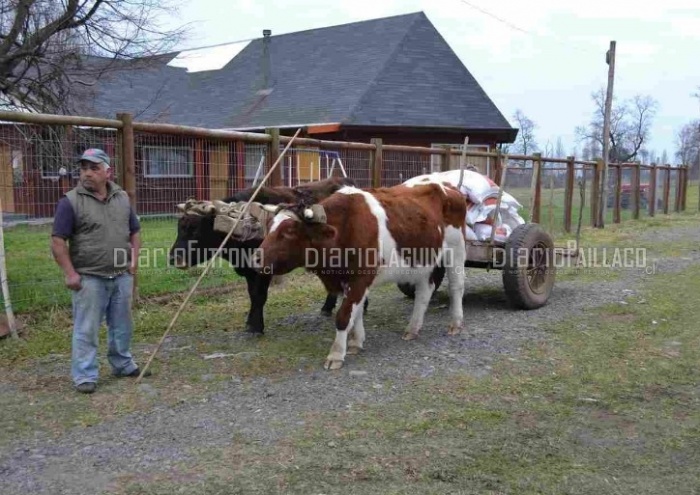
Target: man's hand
column 133, row 269
column 73, row 281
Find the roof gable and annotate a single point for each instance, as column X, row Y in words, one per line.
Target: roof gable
column 425, row 84
column 316, row 76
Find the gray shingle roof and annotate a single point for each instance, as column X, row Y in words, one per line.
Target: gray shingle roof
column 394, row 71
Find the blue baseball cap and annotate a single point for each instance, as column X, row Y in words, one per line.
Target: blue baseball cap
column 95, row 155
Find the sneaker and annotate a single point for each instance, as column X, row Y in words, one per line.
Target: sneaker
column 86, row 387
column 136, row 373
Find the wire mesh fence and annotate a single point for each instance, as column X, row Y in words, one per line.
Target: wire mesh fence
column 399, row 166
column 38, row 164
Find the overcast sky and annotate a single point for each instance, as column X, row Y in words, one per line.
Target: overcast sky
column 544, row 60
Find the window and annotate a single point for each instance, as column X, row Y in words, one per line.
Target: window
column 168, row 161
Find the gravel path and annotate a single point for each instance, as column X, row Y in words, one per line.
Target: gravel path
column 89, row 461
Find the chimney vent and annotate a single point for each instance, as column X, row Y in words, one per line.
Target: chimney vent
column 266, row 60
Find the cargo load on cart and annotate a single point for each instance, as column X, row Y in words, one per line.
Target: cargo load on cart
column 481, row 194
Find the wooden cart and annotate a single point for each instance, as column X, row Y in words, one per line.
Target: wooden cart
column 526, row 259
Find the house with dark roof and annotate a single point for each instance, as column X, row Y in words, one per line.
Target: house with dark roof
column 393, row 78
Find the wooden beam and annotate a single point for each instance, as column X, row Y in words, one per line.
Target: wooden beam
column 652, row 192
column 536, row 188
column 128, row 157
column 276, row 177
column 667, row 188
column 618, row 195
column 637, row 191
column 569, row 192
column 377, row 162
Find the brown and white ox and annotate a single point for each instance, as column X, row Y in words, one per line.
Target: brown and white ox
column 371, row 237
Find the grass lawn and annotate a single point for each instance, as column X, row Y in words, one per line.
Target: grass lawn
column 36, row 281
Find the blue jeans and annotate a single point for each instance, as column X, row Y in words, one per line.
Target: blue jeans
column 101, row 298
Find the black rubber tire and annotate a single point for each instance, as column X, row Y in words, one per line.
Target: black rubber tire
column 409, row 290
column 529, row 241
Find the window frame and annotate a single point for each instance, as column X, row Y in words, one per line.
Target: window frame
column 145, row 149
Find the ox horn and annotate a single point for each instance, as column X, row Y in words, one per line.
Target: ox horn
column 270, row 208
column 181, row 207
column 308, row 213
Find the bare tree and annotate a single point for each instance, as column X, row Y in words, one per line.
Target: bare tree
column 688, row 142
column 630, row 125
column 559, row 150
column 592, row 149
column 49, row 49
column 525, row 143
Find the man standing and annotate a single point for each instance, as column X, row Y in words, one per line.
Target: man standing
column 95, row 241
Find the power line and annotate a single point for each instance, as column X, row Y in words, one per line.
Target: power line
column 525, row 31
column 509, row 24
column 215, row 45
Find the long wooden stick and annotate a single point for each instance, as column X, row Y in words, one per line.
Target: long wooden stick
column 5, row 286
column 497, row 212
column 218, row 251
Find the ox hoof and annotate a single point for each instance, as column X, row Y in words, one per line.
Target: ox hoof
column 326, row 312
column 409, row 336
column 333, row 365
column 354, row 350
column 254, row 332
column 454, row 329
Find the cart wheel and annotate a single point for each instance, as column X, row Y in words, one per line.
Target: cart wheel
column 528, row 286
column 410, row 289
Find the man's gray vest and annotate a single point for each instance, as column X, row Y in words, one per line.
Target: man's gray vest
column 100, row 242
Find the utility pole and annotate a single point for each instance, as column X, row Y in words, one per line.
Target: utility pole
column 603, row 201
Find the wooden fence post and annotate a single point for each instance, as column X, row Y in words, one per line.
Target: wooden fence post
column 652, row 190
column 667, row 188
column 128, row 159
column 686, row 176
column 497, row 167
column 618, row 194
column 276, row 176
column 637, row 190
column 376, row 162
column 681, row 192
column 536, row 188
column 569, row 192
column 446, row 158
column 595, row 192
column 679, row 186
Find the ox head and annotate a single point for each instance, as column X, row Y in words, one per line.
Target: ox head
column 313, row 192
column 196, row 240
column 295, row 233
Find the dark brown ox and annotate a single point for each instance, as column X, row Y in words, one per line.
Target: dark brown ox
column 372, row 237
column 197, row 241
